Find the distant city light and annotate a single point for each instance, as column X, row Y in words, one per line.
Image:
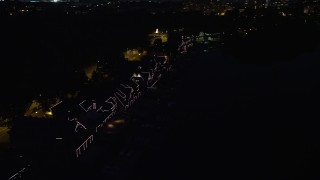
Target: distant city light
column 49, row 113
column 119, row 121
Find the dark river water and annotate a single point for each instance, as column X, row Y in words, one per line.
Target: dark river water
column 257, row 121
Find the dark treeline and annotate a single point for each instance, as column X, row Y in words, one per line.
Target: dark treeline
column 276, row 38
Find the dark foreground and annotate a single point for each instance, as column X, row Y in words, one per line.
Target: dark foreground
column 212, row 118
column 252, row 121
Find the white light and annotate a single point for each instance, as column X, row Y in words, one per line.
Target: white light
column 59, row 138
